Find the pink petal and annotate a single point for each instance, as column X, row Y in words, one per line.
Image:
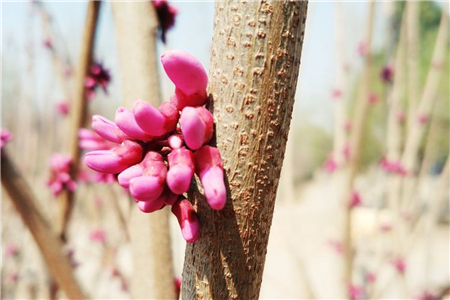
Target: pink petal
column 187, row 218
column 127, row 123
column 196, row 126
column 175, row 141
column 128, row 174
column 185, row 71
column 107, row 129
column 181, row 170
column 155, row 122
column 146, row 188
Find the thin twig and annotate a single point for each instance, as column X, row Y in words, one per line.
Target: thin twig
column 49, row 244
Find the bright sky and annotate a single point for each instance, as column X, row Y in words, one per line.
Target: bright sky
column 193, row 33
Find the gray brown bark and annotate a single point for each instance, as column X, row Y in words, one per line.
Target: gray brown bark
column 253, row 77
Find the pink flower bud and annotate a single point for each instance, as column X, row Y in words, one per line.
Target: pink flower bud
column 116, row 160
column 208, row 166
column 128, row 174
column 127, row 123
column 422, row 119
column 155, row 122
column 336, row 93
column 189, row 77
column 150, row 185
column 387, row 74
column 181, row 170
column 98, row 235
column 89, row 140
column 151, row 205
column 330, row 164
column 175, row 141
column 108, row 129
column 187, row 218
column 196, row 126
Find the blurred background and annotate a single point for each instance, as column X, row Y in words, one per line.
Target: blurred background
column 40, row 45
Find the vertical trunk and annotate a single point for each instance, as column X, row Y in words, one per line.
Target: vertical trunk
column 253, row 77
column 78, row 110
column 413, row 43
column 136, row 27
column 356, row 139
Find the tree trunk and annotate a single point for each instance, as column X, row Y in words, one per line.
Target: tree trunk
column 136, row 27
column 253, row 77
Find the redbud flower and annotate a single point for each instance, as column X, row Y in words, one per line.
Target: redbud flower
column 355, row 200
column 98, row 77
column 181, row 170
column 156, row 122
column 362, row 49
column 155, row 160
column 400, row 265
column 63, row 108
column 48, row 44
column 11, row 250
column 427, row 295
column 373, row 98
column 196, row 126
column 166, row 16
column 336, row 93
column 175, row 141
column 187, row 218
column 98, row 235
column 116, row 160
column 422, row 119
column 60, row 174
column 189, row 77
column 330, row 164
column 126, row 121
column 387, row 74
column 336, row 246
column 346, row 151
column 5, row 137
column 355, row 292
column 348, row 126
column 385, row 227
column 208, row 166
column 371, row 277
column 108, row 129
column 401, row 117
column 89, row 140
column 177, row 282
column 150, row 185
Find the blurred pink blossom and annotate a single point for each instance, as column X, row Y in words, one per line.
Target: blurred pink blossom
column 355, row 292
column 362, row 49
column 336, row 93
column 98, row 77
column 399, row 264
column 387, row 74
column 11, row 250
column 422, row 119
column 63, row 108
column 166, row 16
column 355, row 200
column 373, row 98
column 330, row 164
column 60, row 174
column 336, row 246
column 5, row 137
column 98, row 235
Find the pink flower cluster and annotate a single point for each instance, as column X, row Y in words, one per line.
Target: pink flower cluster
column 98, row 77
column 158, row 150
column 166, row 16
column 355, row 200
column 60, row 174
column 393, row 167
